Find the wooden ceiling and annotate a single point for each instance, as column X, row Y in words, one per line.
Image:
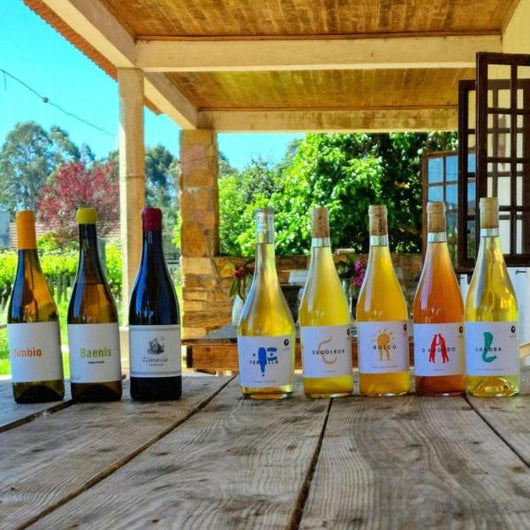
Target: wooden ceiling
column 192, row 18
column 205, row 59
column 330, row 89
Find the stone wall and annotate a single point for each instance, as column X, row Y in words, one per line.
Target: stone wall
column 207, row 282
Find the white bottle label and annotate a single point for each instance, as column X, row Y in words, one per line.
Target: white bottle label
column 35, row 352
column 265, row 361
column 326, row 350
column 383, row 347
column 492, row 348
column 94, row 353
column 155, row 351
column 439, row 349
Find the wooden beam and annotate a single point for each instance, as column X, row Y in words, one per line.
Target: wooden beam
column 339, row 120
column 195, row 55
column 132, row 172
column 94, row 23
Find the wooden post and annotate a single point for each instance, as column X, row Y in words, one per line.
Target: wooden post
column 132, row 172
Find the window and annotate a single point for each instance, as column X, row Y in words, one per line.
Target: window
column 440, row 183
column 502, row 138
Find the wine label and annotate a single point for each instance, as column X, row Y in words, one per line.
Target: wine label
column 439, row 349
column 155, row 351
column 383, row 347
column 35, row 352
column 265, row 361
column 94, row 353
column 492, row 348
column 326, row 350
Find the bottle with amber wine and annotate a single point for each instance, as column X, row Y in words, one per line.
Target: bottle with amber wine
column 154, row 321
column 439, row 357
column 265, row 336
column 492, row 347
column 382, row 328
column 93, row 333
column 325, row 320
column 33, row 325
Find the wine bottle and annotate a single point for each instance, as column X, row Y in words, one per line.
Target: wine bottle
column 33, row 325
column 265, row 336
column 383, row 344
column 439, row 357
column 325, row 320
column 154, row 321
column 491, row 329
column 93, row 333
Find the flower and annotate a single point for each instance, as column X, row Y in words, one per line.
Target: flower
column 359, row 270
column 242, row 274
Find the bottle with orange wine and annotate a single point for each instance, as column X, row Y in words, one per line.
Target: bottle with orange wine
column 492, row 346
column 438, row 316
column 382, row 324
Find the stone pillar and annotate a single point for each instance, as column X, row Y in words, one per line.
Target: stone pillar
column 132, row 172
column 199, row 208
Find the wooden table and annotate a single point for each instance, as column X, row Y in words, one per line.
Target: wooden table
column 215, row 460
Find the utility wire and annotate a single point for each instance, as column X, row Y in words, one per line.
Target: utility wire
column 45, row 99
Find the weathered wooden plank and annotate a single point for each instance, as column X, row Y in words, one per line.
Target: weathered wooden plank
column 52, row 459
column 415, row 462
column 236, row 464
column 221, row 354
column 509, row 417
column 13, row 414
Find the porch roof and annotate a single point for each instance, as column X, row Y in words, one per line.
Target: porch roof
column 296, row 65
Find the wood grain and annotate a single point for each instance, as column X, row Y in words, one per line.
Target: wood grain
column 509, row 417
column 306, row 17
column 13, row 414
column 415, row 462
column 52, row 459
column 324, row 89
column 236, row 464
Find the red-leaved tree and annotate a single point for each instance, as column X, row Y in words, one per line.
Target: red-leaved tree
column 73, row 186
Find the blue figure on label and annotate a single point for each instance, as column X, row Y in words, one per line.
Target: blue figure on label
column 262, row 359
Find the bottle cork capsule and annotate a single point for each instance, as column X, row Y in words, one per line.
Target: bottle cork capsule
column 26, row 238
column 378, row 222
column 489, row 212
column 436, row 217
column 319, row 222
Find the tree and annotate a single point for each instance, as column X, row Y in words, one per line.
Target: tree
column 28, row 156
column 346, row 173
column 75, row 185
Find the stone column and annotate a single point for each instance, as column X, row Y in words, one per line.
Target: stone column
column 199, row 207
column 132, row 172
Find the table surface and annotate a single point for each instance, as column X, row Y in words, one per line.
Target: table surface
column 215, row 460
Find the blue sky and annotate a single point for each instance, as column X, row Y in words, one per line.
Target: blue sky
column 34, row 52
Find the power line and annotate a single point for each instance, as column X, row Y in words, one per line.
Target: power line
column 45, row 99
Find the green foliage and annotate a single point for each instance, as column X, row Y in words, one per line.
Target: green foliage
column 28, row 157
column 346, row 173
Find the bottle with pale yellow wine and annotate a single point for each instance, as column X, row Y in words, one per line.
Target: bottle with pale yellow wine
column 382, row 325
column 439, row 357
column 33, row 325
column 492, row 346
column 265, row 336
column 93, row 333
column 325, row 320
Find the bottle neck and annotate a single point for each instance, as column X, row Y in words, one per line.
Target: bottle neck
column 490, row 245
column 489, row 232
column 378, row 241
column 437, row 237
column 152, row 251
column 266, row 262
column 89, row 264
column 321, row 242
